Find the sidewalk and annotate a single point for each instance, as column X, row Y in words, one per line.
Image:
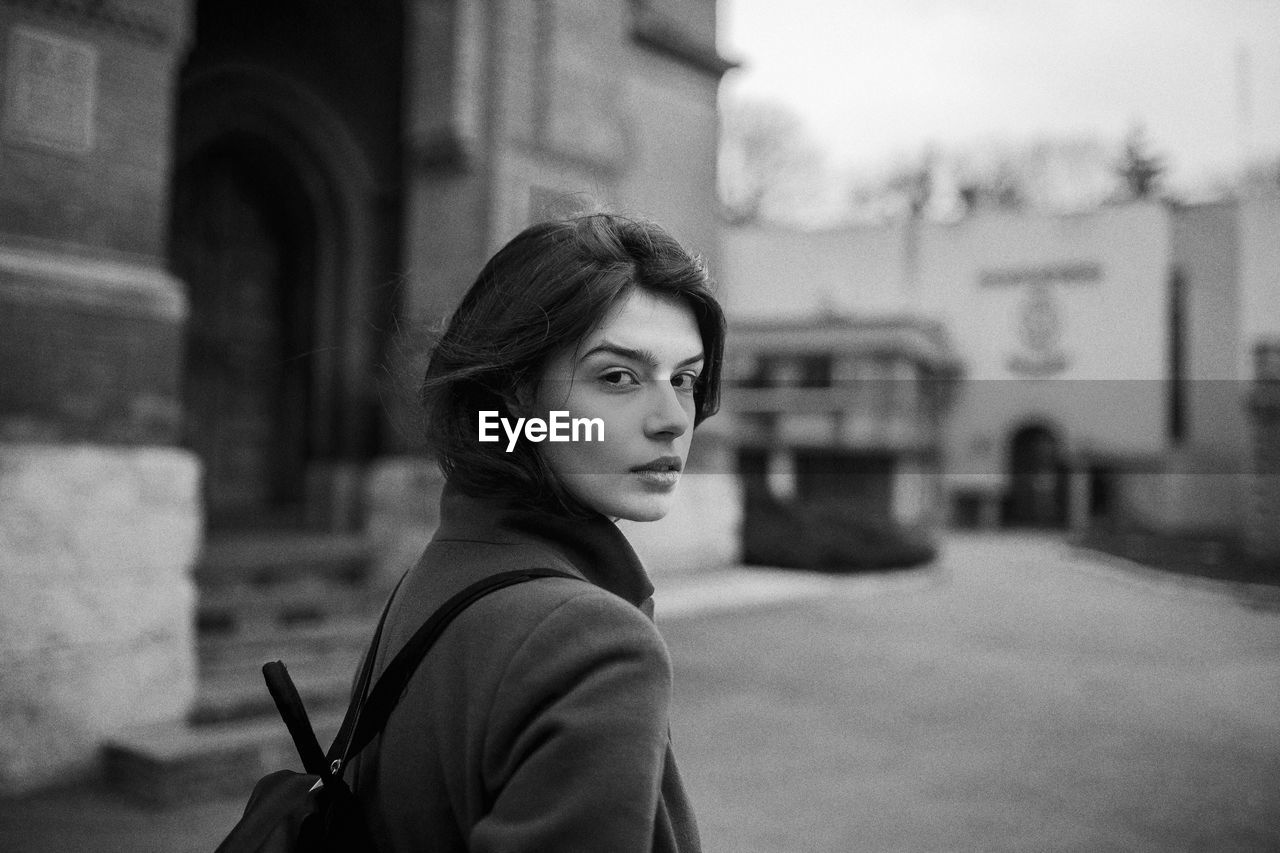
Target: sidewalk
column 89, row 818
column 1020, row 695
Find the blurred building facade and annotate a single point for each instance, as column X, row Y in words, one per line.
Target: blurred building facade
column 1108, row 356
column 836, row 410
column 225, row 231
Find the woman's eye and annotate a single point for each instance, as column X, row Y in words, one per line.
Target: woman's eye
column 685, row 381
column 619, row 378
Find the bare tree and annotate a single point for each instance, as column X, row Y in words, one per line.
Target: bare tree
column 1046, row 174
column 903, row 192
column 1139, row 169
column 996, row 179
column 1051, row 173
column 770, row 169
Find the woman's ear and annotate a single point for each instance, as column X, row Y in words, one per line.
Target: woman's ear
column 522, row 402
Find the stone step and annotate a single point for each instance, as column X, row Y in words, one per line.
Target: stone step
column 240, row 693
column 169, row 764
column 234, row 734
column 299, row 597
column 245, row 610
column 345, row 636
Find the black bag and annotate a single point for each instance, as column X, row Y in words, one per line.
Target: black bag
column 315, row 811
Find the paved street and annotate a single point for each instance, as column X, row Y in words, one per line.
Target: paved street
column 1029, row 699
column 1019, row 696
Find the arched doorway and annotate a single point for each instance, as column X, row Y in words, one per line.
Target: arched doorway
column 277, row 229
column 244, row 241
column 1037, row 495
column 285, row 228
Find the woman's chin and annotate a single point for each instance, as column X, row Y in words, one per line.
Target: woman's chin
column 642, row 508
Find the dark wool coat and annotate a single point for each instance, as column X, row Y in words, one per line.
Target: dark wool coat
column 538, row 723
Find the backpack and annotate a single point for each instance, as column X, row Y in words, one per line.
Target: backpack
column 315, row 811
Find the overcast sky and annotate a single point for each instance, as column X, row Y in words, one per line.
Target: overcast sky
column 876, row 80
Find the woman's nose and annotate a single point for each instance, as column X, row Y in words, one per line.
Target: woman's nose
column 668, row 416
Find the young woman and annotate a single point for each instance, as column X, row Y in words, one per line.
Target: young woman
column 539, row 722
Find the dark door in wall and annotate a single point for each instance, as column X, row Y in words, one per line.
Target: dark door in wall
column 244, row 245
column 1037, row 495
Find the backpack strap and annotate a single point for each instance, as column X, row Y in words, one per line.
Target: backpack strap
column 370, row 708
column 331, row 768
column 294, row 714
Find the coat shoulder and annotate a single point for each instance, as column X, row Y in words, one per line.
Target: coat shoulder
column 566, row 615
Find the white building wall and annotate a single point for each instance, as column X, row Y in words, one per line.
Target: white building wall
column 1205, row 479
column 776, row 274
column 1259, row 277
column 1108, row 338
column 1109, row 327
column 1207, row 252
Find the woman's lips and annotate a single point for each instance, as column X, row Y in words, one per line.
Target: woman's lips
column 661, row 473
column 659, row 479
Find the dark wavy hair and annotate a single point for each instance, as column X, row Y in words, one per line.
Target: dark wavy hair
column 545, row 290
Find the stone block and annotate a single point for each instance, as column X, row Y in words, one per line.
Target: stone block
column 97, row 545
column 59, row 616
column 71, row 513
column 59, row 705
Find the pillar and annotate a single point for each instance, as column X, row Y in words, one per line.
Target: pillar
column 99, row 511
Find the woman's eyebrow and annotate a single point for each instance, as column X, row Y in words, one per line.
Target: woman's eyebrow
column 643, row 356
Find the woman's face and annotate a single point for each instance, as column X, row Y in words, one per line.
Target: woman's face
column 636, row 373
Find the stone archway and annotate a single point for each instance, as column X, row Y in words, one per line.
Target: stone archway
column 270, row 231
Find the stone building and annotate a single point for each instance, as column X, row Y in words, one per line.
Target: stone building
column 225, row 231
column 1108, row 356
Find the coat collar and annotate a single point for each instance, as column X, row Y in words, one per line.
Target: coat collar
column 593, row 547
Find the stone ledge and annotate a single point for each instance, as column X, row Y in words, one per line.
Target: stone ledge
column 39, row 276
column 654, row 31
column 139, row 26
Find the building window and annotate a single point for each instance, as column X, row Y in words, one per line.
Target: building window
column 815, row 371
column 761, row 373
